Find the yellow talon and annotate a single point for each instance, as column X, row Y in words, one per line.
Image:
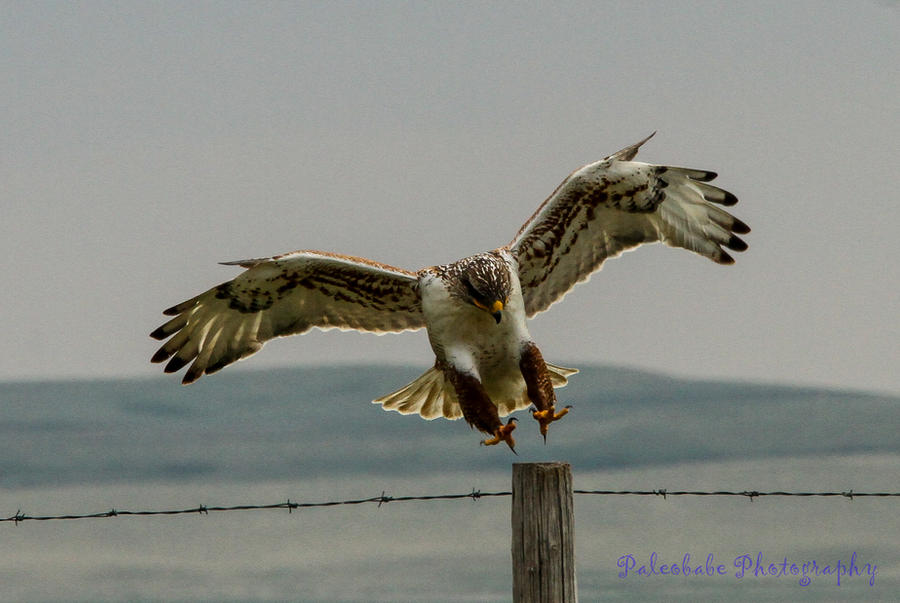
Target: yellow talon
column 503, row 434
column 545, row 417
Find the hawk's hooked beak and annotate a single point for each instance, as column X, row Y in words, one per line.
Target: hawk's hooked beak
column 497, row 310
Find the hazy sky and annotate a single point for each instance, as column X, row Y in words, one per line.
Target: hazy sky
column 144, row 142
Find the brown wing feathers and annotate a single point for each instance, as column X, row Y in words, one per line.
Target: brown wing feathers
column 282, row 296
column 613, row 205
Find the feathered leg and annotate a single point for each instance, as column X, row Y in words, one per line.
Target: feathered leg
column 540, row 388
column 478, row 409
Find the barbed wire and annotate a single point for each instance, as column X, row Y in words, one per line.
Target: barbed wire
column 751, row 494
column 19, row 516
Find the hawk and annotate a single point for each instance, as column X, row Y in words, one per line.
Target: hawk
column 474, row 310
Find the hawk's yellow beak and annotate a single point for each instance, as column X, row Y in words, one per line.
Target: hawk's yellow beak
column 497, row 310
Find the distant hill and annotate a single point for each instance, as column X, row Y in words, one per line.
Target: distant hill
column 314, row 422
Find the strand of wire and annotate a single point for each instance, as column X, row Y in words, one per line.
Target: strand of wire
column 19, row 516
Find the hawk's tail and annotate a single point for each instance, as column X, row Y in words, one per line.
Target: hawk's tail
column 432, row 396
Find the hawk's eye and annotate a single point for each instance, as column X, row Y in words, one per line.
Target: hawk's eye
column 472, row 291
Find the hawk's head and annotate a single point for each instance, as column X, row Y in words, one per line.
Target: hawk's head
column 483, row 281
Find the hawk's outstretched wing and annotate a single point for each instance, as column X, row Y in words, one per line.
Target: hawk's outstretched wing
column 611, row 206
column 284, row 295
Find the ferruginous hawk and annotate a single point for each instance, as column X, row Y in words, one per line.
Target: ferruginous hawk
column 475, row 309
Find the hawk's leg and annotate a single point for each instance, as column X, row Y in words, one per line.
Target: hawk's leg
column 540, row 388
column 478, row 409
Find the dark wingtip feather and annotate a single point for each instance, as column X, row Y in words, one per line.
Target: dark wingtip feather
column 736, row 244
column 724, row 258
column 739, row 227
column 729, row 199
column 179, row 308
column 160, row 333
column 704, row 175
column 192, row 375
column 161, row 355
column 218, row 366
column 175, row 364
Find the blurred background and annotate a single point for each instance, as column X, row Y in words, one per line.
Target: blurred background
column 144, row 142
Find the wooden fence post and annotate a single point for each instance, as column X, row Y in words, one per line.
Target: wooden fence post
column 543, row 533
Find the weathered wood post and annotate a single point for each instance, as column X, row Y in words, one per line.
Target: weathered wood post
column 543, row 533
